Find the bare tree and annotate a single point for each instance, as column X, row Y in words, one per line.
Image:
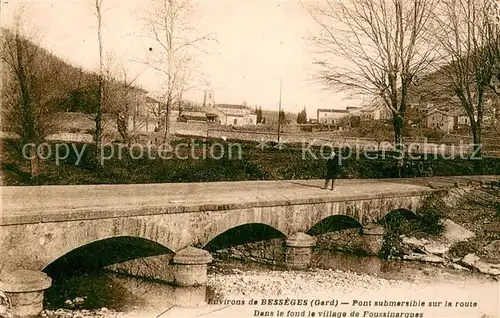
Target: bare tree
column 31, row 86
column 122, row 101
column 374, row 47
column 466, row 42
column 101, row 82
column 494, row 51
column 167, row 24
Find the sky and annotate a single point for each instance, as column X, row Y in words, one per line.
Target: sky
column 257, row 43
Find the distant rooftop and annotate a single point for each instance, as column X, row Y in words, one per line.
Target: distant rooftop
column 324, row 110
column 151, row 100
column 230, row 106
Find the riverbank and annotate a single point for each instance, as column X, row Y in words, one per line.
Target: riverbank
column 234, row 283
column 429, row 284
column 470, row 217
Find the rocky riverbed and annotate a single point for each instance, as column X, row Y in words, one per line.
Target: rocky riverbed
column 234, row 282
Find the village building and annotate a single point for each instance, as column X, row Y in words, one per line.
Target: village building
column 330, row 116
column 454, row 117
column 353, row 111
column 227, row 114
column 375, row 112
column 440, row 119
column 193, row 116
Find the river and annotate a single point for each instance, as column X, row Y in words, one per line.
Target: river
column 335, row 276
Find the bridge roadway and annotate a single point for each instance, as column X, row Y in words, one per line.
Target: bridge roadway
column 26, row 205
column 38, row 225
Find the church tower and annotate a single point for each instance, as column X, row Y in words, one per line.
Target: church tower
column 208, row 99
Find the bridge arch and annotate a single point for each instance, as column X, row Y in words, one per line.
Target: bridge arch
column 334, row 223
column 57, row 242
column 105, row 252
column 400, row 213
column 268, row 218
column 242, row 234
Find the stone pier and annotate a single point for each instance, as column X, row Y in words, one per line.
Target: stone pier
column 299, row 248
column 372, row 238
column 190, row 276
column 25, row 289
column 191, row 267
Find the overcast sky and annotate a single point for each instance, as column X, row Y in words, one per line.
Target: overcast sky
column 258, row 41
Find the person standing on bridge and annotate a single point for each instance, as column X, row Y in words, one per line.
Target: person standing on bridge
column 333, row 169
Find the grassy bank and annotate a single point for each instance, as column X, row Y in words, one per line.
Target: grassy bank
column 245, row 162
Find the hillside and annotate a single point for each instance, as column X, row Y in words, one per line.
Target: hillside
column 70, row 88
column 435, row 88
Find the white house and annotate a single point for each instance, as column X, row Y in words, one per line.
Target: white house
column 375, row 112
column 227, row 114
column 235, row 115
column 331, row 116
column 440, row 119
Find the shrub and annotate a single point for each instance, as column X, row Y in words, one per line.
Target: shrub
column 430, row 221
column 461, row 249
column 427, row 223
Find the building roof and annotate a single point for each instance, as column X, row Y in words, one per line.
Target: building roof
column 442, row 111
column 324, row 110
column 194, row 116
column 151, row 100
column 230, row 106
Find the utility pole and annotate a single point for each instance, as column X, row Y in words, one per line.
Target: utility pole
column 279, row 109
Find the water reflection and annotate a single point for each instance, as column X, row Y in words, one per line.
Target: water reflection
column 123, row 293
column 157, row 295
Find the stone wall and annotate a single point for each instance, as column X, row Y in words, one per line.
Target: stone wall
column 153, row 267
column 268, row 252
column 348, row 240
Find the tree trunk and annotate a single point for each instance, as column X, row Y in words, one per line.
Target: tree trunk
column 167, row 121
column 34, row 164
column 398, row 124
column 98, row 123
column 476, row 137
column 122, row 126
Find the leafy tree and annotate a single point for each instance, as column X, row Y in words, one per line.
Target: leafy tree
column 259, row 116
column 302, row 117
column 282, row 117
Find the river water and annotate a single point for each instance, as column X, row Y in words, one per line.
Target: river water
column 232, row 279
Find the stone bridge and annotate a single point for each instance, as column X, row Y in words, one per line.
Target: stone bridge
column 171, row 224
column 41, row 224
